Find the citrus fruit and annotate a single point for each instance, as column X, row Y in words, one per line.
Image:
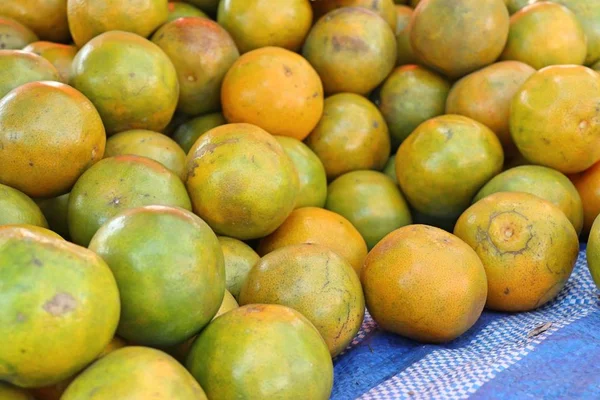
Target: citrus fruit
column 353, row 50
column 135, row 372
column 270, row 87
column 555, row 118
column 18, row 208
column 47, row 18
column 444, row 162
column 390, row 169
column 415, row 272
column 60, row 307
column 318, row 226
column 485, row 96
column 588, row 186
column 311, row 172
column 90, row 18
column 543, row 182
column 187, row 133
column 261, row 23
column 588, row 15
column 351, row 135
column 208, row 6
column 405, row 54
column 60, row 55
column 593, row 252
column 200, row 76
column 316, row 282
column 239, row 260
column 461, row 36
column 9, row 392
column 241, row 181
column 385, row 8
column 371, row 201
column 55, row 212
column 19, row 67
column 182, row 10
column 280, row 352
column 410, row 96
column 527, row 245
column 27, row 229
column 50, row 134
column 116, row 184
column 515, row 5
column 162, row 306
column 133, row 98
column 228, row 304
column 543, row 34
column 14, row 35
column 153, row 145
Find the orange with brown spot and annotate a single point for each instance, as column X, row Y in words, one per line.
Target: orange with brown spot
column 14, row 35
column 527, row 245
column 274, row 89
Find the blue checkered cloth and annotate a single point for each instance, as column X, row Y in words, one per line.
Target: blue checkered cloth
column 550, row 353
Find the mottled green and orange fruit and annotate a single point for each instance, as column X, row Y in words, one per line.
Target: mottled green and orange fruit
column 588, row 186
column 516, row 5
column 415, row 272
column 593, row 252
column 555, row 118
column 118, row 183
column 485, row 96
column 311, row 172
column 208, row 6
column 275, row 89
column 289, row 358
column 239, row 260
column 351, row 135
column 47, row 18
column 315, row 281
column 371, row 201
column 54, row 392
column 384, row 8
column 9, row 392
column 405, row 54
column 55, row 210
column 543, row 34
column 18, row 208
column 444, row 162
column 90, row 18
column 188, row 132
column 353, row 50
column 448, row 35
column 161, row 306
column 14, row 35
column 60, row 307
column 135, row 372
column 241, row 181
column 153, row 145
column 262, row 23
column 60, row 55
column 390, row 169
column 588, row 14
column 133, row 98
column 410, row 96
column 527, row 245
column 178, row 9
column 318, row 226
column 19, row 67
column 543, row 182
column 200, row 76
column 51, row 134
column 31, row 229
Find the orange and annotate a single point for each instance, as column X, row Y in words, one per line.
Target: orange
column 588, row 186
column 352, row 135
column 90, row 18
column 555, row 118
column 352, row 49
column 239, row 260
column 60, row 55
column 187, row 133
column 18, row 208
column 241, row 181
column 262, row 23
column 405, row 54
column 410, row 96
column 271, row 87
column 200, row 76
column 588, row 14
column 60, row 307
column 55, row 211
column 527, row 245
column 444, row 162
column 133, row 98
column 182, row 10
column 485, row 96
column 51, row 134
column 47, row 18
column 9, row 392
column 14, row 35
column 460, row 36
column 26, row 229
column 19, row 67
column 424, row 283
column 153, row 145
column 385, row 8
column 544, row 34
column 318, row 226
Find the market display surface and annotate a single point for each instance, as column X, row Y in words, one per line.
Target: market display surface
column 299, row 199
